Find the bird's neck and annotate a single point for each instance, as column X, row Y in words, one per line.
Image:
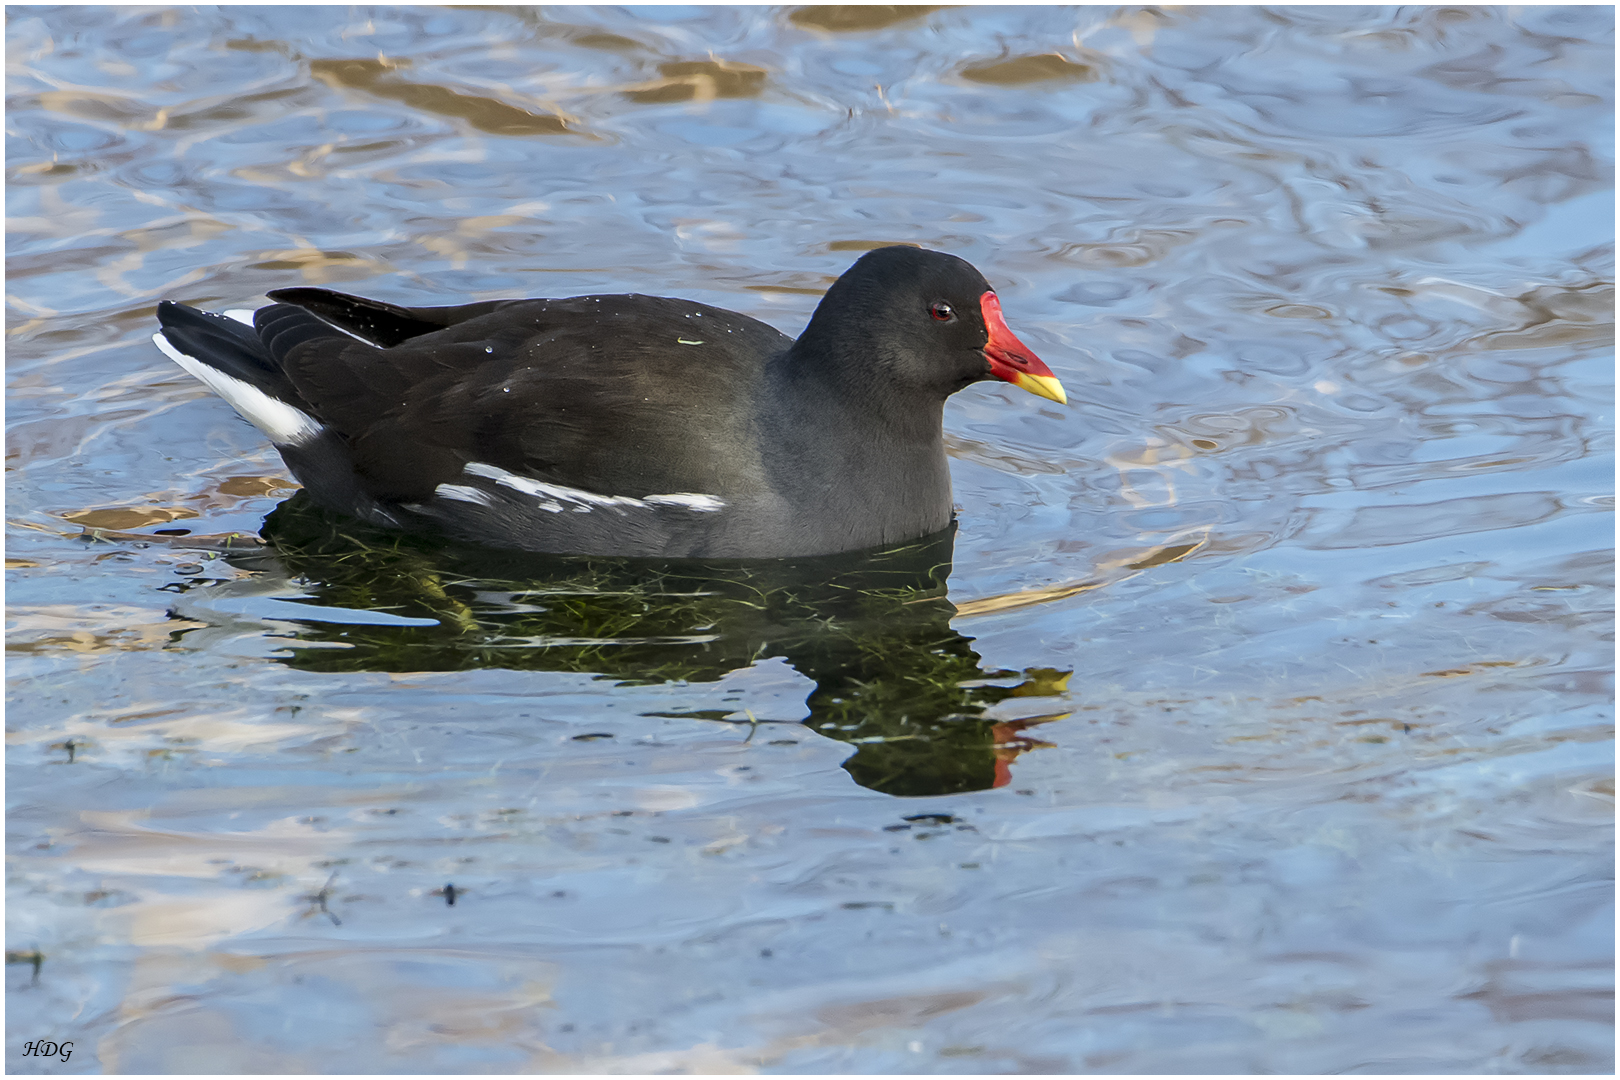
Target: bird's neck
column 862, row 452
column 851, row 390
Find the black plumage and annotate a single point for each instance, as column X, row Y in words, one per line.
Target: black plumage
column 623, row 424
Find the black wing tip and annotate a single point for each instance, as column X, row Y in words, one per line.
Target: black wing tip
column 171, row 314
column 311, row 296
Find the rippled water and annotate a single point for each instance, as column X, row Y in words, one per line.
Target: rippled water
column 1256, row 719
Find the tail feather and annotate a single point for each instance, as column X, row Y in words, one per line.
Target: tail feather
column 226, row 344
column 231, row 360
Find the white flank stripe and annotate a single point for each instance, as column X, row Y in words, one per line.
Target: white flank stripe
column 702, row 504
column 464, row 494
column 240, row 314
column 584, row 501
column 285, row 425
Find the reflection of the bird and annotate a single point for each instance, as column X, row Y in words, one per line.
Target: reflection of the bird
column 872, row 631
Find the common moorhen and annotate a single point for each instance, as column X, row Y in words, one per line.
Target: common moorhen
column 622, row 425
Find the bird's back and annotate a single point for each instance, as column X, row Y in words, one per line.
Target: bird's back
column 629, row 395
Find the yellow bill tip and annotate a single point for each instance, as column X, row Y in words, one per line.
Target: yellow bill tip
column 1045, row 386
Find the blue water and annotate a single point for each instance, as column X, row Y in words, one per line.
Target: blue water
column 1263, row 724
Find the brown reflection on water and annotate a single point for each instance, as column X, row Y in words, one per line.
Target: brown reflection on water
column 380, row 78
column 133, row 518
column 855, row 18
column 1024, row 70
column 700, row 80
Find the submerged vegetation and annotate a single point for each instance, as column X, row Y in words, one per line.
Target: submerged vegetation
column 873, row 631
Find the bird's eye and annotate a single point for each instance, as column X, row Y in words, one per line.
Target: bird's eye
column 942, row 312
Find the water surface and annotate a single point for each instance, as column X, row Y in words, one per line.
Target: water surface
column 1256, row 717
